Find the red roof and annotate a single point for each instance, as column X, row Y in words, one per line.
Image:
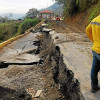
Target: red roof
column 46, row 11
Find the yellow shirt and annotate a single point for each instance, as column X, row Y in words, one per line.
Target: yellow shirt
column 93, row 32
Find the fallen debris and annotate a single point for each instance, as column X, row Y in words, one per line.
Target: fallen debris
column 38, row 93
column 31, row 91
column 6, row 64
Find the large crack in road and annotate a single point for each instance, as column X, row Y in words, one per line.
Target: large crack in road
column 60, row 53
column 18, row 82
column 76, row 48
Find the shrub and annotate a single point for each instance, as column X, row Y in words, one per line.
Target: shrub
column 74, row 6
column 71, row 7
column 13, row 28
column 85, row 4
column 26, row 24
column 8, row 30
column 4, row 28
column 94, row 11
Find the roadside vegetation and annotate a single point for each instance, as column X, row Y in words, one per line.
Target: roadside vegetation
column 12, row 28
column 26, row 24
column 8, row 30
column 73, row 7
column 94, row 11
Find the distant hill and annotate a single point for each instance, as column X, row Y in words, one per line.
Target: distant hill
column 13, row 16
column 56, row 8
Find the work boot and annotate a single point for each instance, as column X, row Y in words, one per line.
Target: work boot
column 94, row 90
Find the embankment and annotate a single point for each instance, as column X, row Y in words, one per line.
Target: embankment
column 79, row 21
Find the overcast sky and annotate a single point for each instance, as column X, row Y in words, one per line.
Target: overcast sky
column 22, row 6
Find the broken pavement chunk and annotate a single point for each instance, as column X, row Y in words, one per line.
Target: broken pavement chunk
column 38, row 93
column 31, row 91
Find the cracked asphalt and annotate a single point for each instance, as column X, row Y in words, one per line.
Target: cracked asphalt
column 25, row 76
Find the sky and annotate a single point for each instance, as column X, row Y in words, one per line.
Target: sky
column 22, row 6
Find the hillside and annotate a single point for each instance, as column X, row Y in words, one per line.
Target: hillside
column 80, row 12
column 56, row 8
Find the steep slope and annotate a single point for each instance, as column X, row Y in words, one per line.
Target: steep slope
column 78, row 21
column 81, row 17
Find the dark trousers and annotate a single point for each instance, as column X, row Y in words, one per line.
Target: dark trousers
column 95, row 69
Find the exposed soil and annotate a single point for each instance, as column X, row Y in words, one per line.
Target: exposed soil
column 79, row 21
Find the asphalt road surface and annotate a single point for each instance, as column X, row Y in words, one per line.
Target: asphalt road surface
column 17, row 47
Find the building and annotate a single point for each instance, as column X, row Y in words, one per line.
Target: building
column 46, row 14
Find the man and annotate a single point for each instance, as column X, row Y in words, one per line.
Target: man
column 93, row 32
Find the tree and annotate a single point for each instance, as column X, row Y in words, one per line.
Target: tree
column 32, row 13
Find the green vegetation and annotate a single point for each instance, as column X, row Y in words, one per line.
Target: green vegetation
column 26, row 24
column 85, row 4
column 7, row 30
column 72, row 7
column 75, row 6
column 32, row 13
column 12, row 28
column 94, row 11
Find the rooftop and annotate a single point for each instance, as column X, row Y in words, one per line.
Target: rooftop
column 47, row 11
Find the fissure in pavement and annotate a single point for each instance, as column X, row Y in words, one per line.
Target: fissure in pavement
column 51, row 54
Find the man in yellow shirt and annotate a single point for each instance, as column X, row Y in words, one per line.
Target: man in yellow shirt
column 93, row 32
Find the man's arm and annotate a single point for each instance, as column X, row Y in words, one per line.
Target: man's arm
column 89, row 32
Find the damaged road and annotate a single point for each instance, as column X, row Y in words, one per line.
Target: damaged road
column 77, row 54
column 21, row 80
column 58, row 73
column 19, row 70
